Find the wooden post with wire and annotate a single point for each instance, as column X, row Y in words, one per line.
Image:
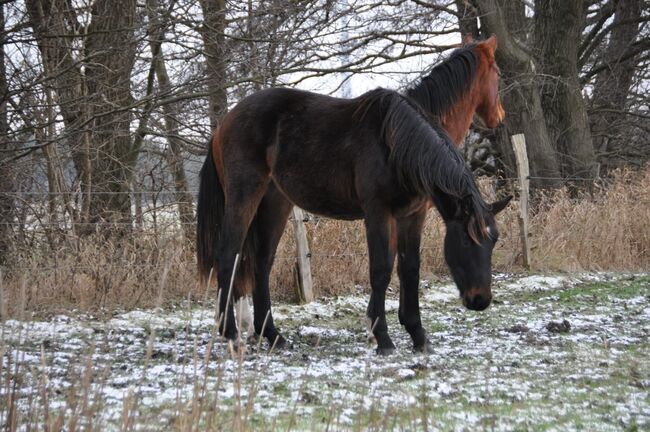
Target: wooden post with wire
column 3, row 309
column 519, row 147
column 304, row 281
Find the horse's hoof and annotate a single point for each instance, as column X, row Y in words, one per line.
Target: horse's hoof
column 280, row 344
column 427, row 348
column 253, row 338
column 385, row 351
column 236, row 346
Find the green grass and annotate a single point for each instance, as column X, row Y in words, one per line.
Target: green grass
column 593, row 292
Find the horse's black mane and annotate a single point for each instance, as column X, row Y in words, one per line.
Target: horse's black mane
column 447, row 82
column 422, row 154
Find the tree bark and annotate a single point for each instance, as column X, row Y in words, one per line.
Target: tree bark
column 213, row 34
column 110, row 48
column 607, row 114
column 7, row 187
column 55, row 27
column 558, row 27
column 521, row 99
column 467, row 18
column 95, row 105
column 173, row 153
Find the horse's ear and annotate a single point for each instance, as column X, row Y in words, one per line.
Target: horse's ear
column 498, row 206
column 491, row 44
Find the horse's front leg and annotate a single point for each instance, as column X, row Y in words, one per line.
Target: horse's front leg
column 381, row 257
column 409, row 233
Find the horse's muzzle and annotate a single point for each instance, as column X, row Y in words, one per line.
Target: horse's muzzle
column 476, row 300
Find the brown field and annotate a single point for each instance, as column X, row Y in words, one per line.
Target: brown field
column 606, row 229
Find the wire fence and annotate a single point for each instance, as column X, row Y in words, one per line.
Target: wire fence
column 157, row 217
column 151, row 210
column 152, row 248
column 195, row 192
column 32, row 223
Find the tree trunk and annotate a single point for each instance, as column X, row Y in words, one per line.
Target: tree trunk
column 95, row 105
column 558, row 27
column 7, row 187
column 55, row 28
column 521, row 98
column 110, row 48
column 213, row 34
column 467, row 18
column 514, row 13
column 173, row 153
column 607, row 115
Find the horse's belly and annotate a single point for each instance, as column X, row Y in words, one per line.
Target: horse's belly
column 330, row 197
column 332, row 210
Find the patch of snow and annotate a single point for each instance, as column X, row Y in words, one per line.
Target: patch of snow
column 441, row 293
column 537, row 283
column 323, row 332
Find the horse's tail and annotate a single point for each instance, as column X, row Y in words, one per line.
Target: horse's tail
column 209, row 215
column 209, row 218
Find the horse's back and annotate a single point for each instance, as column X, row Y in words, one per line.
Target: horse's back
column 312, row 146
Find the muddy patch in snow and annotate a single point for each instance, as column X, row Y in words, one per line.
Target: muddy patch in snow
column 568, row 352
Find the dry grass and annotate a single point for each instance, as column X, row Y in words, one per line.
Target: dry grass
column 96, row 274
column 605, row 230
column 168, row 370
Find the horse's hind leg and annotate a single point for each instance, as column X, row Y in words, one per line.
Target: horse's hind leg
column 270, row 221
column 409, row 232
column 244, row 195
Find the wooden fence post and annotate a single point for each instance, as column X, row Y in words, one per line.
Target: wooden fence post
column 519, row 147
column 304, row 288
column 3, row 310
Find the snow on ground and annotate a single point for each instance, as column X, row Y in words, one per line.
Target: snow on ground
column 516, row 365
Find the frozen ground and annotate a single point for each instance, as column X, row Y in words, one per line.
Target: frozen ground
column 551, row 353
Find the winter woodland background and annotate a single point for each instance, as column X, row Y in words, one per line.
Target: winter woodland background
column 107, row 107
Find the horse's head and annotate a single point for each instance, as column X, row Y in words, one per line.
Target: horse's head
column 469, row 242
column 489, row 106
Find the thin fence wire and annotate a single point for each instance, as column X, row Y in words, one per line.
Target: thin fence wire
column 195, row 192
column 156, row 218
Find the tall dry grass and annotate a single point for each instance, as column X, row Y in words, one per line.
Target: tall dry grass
column 95, row 274
column 605, row 230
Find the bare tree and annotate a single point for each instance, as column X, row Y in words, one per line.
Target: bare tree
column 108, row 98
column 111, row 46
column 558, row 27
column 6, row 178
column 608, row 115
column 157, row 23
column 95, row 104
column 521, row 94
column 213, row 32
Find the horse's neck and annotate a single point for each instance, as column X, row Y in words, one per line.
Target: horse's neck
column 459, row 117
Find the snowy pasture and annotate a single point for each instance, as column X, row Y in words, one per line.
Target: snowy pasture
column 551, row 353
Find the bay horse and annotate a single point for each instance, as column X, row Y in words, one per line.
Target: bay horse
column 464, row 84
column 382, row 157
